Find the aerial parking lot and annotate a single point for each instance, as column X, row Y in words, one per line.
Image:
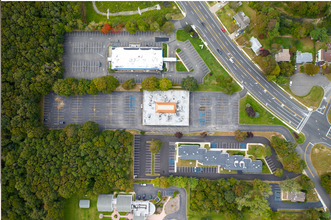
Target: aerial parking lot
column 208, row 111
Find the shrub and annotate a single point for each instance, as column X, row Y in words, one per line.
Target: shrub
column 178, row 134
column 295, row 135
column 279, row 172
column 142, row 132
column 239, row 135
column 261, row 36
column 250, row 112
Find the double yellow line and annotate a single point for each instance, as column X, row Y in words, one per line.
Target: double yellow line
column 202, row 18
column 306, row 161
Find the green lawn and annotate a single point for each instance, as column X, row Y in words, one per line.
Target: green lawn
column 286, row 42
column 73, row 212
column 321, row 159
column 118, row 6
column 180, row 67
column 165, row 49
column 251, row 13
column 236, row 152
column 209, row 82
column 153, row 158
column 265, row 118
column 91, row 15
column 226, row 16
column 265, row 168
column 305, row 45
column 186, row 163
column 178, row 50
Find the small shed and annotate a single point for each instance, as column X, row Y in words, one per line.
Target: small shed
column 256, row 46
column 84, row 203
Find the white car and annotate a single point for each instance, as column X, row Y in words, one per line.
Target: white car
column 231, row 59
column 143, row 184
column 290, row 83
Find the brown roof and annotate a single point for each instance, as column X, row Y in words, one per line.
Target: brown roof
column 283, row 55
column 327, row 55
column 165, row 107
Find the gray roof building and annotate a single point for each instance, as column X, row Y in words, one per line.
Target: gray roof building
column 104, row 203
column 242, row 20
column 304, row 57
column 215, row 157
column 84, row 203
column 296, row 197
column 123, row 203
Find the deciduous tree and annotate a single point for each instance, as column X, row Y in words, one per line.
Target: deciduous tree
column 150, row 84
column 189, row 83
column 165, row 84
column 155, row 146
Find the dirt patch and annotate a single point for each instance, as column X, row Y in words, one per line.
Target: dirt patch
column 136, row 88
column 173, row 205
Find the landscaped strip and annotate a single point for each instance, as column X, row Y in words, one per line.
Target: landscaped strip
column 265, row 118
column 209, row 81
column 321, row 159
column 153, row 158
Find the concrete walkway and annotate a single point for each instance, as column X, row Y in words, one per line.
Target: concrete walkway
column 160, row 216
column 302, row 83
column 126, row 12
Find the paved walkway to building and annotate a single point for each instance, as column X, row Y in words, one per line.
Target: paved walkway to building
column 160, row 216
column 302, row 83
column 125, row 12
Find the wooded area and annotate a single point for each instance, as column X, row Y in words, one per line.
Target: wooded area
column 41, row 166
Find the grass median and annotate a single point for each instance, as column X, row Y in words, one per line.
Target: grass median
column 209, row 82
column 265, row 118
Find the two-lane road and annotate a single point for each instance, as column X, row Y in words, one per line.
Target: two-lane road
column 243, row 69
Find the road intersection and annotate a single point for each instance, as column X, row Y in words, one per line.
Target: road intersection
column 314, row 125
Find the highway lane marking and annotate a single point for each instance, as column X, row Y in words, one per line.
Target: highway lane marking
column 306, row 159
column 326, row 105
column 192, row 12
column 235, row 58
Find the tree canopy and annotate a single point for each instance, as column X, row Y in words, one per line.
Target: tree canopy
column 150, row 83
column 189, row 83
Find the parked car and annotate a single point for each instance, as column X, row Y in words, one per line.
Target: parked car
column 290, row 83
column 203, row 24
column 236, row 35
column 143, row 184
column 295, row 67
column 144, row 196
column 62, row 122
column 45, row 119
column 222, row 29
column 99, row 64
column 139, row 197
column 150, row 197
column 219, row 51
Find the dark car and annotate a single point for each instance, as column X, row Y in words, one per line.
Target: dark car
column 62, row 122
column 99, row 64
column 45, row 119
column 144, row 197
column 219, row 51
column 139, row 197
column 203, row 24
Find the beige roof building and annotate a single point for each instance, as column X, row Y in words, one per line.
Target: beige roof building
column 295, row 197
column 283, row 55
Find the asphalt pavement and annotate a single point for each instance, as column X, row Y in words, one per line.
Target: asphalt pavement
column 314, row 125
column 276, row 204
column 243, row 69
column 169, row 143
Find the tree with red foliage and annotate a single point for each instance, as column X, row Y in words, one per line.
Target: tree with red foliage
column 105, row 29
column 264, row 53
column 178, row 134
column 261, row 36
column 117, row 28
column 203, row 134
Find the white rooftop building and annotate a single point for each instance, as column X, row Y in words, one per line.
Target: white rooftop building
column 166, row 108
column 256, row 46
column 136, row 58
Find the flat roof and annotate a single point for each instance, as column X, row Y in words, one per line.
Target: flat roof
column 216, row 157
column 166, row 108
column 137, row 58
